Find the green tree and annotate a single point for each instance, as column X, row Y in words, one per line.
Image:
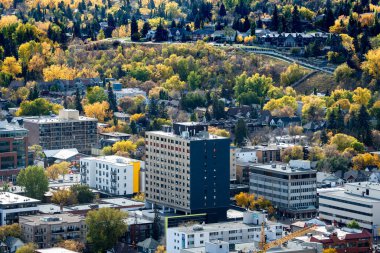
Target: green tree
column 105, row 226
column 83, row 193
column 101, row 35
column 240, row 133
column 194, row 80
column 37, row 107
column 353, row 224
column 254, row 89
column 96, row 94
column 35, row 181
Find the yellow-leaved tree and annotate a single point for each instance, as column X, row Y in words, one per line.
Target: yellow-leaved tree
column 11, row 66
column 54, row 72
column 97, row 110
column 372, row 63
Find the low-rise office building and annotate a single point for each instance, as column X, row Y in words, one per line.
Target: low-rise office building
column 45, row 231
column 116, row 175
column 65, row 131
column 13, row 206
column 249, row 230
column 358, row 201
column 13, row 150
column 292, row 188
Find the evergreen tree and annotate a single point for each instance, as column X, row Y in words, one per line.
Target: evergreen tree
column 352, row 28
column 133, row 127
column 145, row 29
column 162, row 111
column 253, row 28
column 275, row 19
column 365, row 44
column 151, row 5
column 246, row 25
column 112, row 99
column 153, row 108
column 222, row 10
column 135, row 35
column 33, row 94
column 161, row 33
column 194, row 117
column 324, row 137
column 240, row 133
column 296, row 20
column 208, row 116
column 364, row 126
column 156, row 225
column 78, row 101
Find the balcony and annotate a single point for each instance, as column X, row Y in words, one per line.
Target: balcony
column 58, row 231
column 73, row 229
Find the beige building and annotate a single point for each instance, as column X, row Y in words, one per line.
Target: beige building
column 46, row 231
column 67, row 130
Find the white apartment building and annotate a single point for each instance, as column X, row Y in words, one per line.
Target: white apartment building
column 248, row 230
column 247, row 155
column 12, row 206
column 358, row 201
column 112, row 174
column 292, row 188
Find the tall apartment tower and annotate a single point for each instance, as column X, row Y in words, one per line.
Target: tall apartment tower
column 187, row 170
column 13, row 150
column 68, row 130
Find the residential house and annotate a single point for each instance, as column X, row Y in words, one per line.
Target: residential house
column 13, row 244
column 179, row 34
column 325, row 179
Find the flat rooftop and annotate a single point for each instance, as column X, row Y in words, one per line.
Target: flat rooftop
column 7, row 127
column 35, row 220
column 122, row 202
column 51, row 209
column 7, row 198
column 368, row 185
column 281, row 168
column 347, row 196
column 117, row 160
column 221, row 226
column 55, row 250
column 196, row 137
column 115, row 134
column 55, row 119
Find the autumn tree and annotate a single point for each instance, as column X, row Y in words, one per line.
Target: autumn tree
column 11, row 66
column 292, row 74
column 64, row 197
column 34, row 180
column 13, row 230
column 124, row 147
column 27, row 248
column 292, row 153
column 56, row 72
column 97, row 110
column 71, row 245
column 372, row 63
column 105, row 226
column 58, row 169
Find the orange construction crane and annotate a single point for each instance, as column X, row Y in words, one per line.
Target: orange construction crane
column 263, row 246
